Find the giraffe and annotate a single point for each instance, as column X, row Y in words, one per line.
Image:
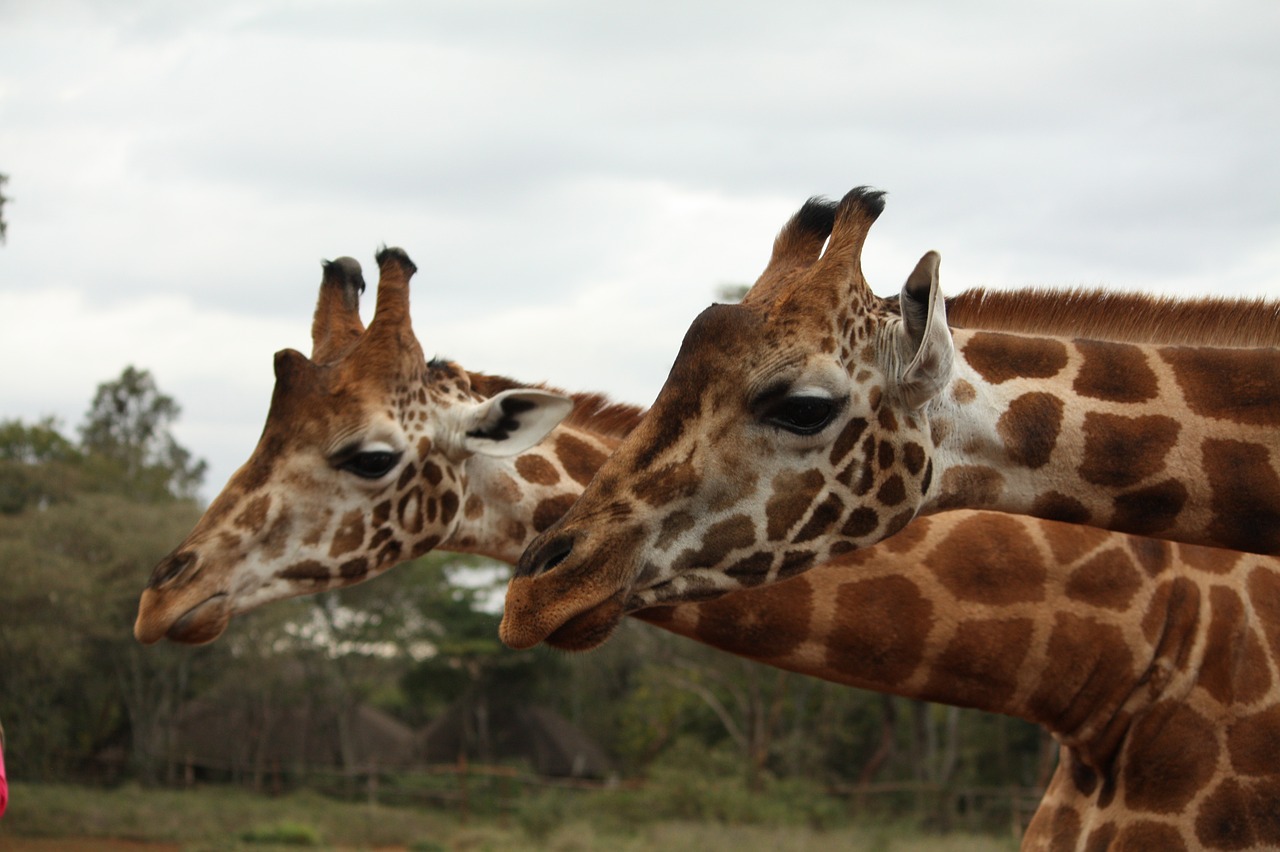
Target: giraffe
column 1153, row 664
column 815, row 418
column 855, row 621
column 351, row 476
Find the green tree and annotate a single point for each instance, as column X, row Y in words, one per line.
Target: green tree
column 38, row 465
column 127, row 432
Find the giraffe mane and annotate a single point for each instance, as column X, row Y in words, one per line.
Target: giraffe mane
column 1123, row 317
column 594, row 411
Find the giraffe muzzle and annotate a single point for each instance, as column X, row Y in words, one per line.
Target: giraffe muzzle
column 545, row 556
column 171, row 569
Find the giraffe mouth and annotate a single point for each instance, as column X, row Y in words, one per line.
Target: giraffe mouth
column 588, row 629
column 203, row 623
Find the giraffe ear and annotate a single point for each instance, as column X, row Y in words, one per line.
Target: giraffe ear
column 513, row 421
column 926, row 344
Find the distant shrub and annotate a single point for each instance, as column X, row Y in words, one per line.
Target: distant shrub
column 283, row 834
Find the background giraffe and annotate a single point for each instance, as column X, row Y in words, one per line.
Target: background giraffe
column 814, row 418
column 882, row 618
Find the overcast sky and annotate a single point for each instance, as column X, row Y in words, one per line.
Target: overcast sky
column 576, row 180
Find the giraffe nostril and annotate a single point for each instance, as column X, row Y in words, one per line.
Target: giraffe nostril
column 171, row 568
column 551, row 553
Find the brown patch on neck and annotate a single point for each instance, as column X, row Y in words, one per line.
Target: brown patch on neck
column 1239, row 386
column 1030, row 428
column 1121, row 451
column 1001, row 357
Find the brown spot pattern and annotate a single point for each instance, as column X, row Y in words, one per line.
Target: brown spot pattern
column 1254, row 743
column 1069, row 541
column 673, row 525
column 1153, row 554
column 792, row 495
column 824, row 517
column 1215, row 560
column 354, row 568
column 1240, row 815
column 1145, row 835
column 669, row 482
column 1116, row 372
column 550, row 510
column 406, row 476
column 350, row 534
column 979, row 666
column 254, row 515
column 722, row 538
column 1030, row 427
column 1108, row 580
column 761, row 625
column 1055, row 506
column 1120, row 451
column 537, row 470
column 1246, row 496
column 847, row 439
column 1264, row 595
column 970, row 486
column 308, row 569
column 448, row 507
column 1147, row 511
column 860, row 523
column 1088, row 665
column 1001, row 357
column 990, row 559
column 881, row 635
column 892, row 491
column 913, row 458
column 1235, row 665
column 1239, row 385
column 580, row 459
column 1169, row 758
column 410, row 509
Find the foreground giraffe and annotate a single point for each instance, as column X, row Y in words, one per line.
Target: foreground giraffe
column 1127, row 628
column 814, row 418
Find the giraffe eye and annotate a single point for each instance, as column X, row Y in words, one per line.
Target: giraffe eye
column 373, row 464
column 803, row 415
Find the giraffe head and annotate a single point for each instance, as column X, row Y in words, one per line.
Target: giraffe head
column 790, row 430
column 361, row 465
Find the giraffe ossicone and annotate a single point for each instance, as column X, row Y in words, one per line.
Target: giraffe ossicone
column 815, row 418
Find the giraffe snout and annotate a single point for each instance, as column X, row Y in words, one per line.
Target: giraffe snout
column 544, row 555
column 171, row 568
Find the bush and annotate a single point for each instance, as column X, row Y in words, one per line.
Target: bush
column 283, row 834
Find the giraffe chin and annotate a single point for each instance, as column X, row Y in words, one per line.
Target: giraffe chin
column 588, row 629
column 202, row 623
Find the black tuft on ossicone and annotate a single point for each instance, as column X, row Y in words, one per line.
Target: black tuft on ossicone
column 870, row 201
column 346, row 273
column 398, row 255
column 817, row 216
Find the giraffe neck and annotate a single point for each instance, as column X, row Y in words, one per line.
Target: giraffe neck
column 1168, row 441
column 1072, row 628
column 508, row 501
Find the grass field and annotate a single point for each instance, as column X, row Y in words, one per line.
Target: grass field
column 57, row 818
